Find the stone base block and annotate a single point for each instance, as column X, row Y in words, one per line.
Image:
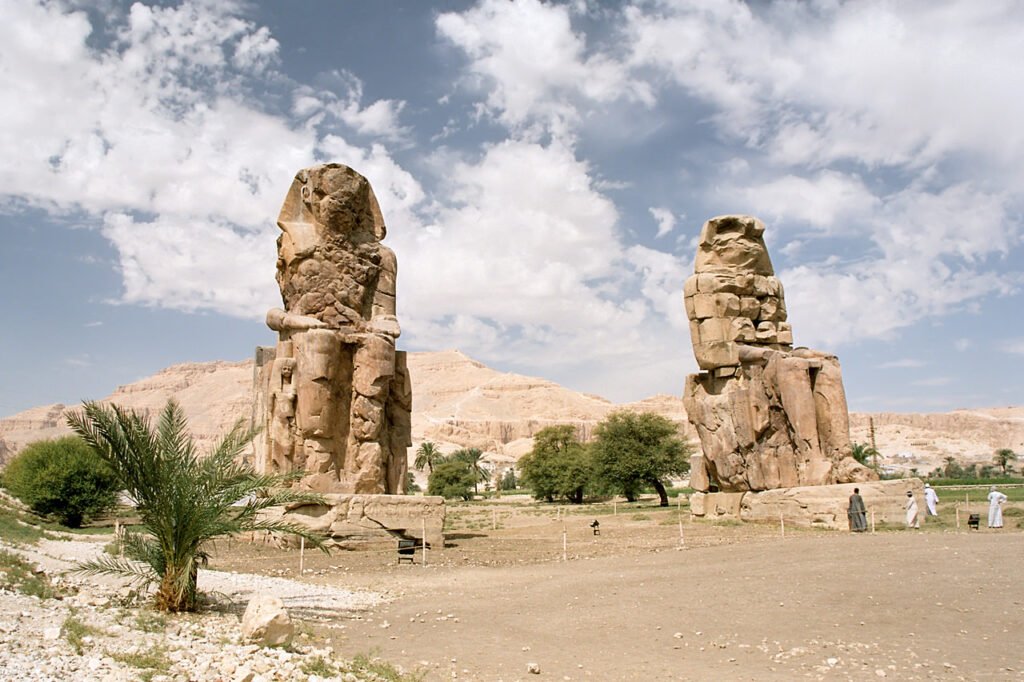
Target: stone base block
column 817, row 506
column 716, row 505
column 824, row 506
column 354, row 521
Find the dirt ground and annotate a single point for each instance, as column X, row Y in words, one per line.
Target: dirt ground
column 735, row 602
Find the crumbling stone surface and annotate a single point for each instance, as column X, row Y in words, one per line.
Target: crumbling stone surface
column 353, row 521
column 334, row 397
column 768, row 415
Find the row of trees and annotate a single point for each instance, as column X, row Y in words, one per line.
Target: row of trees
column 1001, row 466
column 629, row 452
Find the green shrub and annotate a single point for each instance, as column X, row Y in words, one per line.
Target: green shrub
column 452, row 479
column 63, row 478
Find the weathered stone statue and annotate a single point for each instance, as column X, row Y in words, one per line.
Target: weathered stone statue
column 768, row 415
column 335, row 399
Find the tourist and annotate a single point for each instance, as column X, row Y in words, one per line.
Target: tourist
column 912, row 519
column 857, row 513
column 995, row 508
column 931, row 498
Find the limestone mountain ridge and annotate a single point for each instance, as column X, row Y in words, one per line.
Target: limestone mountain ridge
column 460, row 402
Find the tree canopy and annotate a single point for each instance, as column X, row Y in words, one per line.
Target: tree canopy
column 865, row 454
column 1003, row 457
column 427, row 455
column 632, row 449
column 558, row 466
column 62, row 478
column 451, row 479
column 474, row 458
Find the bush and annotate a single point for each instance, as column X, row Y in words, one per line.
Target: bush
column 452, row 479
column 63, row 478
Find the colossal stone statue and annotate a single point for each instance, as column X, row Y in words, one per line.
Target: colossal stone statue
column 334, row 397
column 768, row 415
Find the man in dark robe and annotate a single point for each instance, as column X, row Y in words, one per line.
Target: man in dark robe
column 857, row 512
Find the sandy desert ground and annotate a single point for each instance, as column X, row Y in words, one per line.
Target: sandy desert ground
column 738, row 602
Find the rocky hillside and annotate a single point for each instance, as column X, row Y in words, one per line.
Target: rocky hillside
column 463, row 403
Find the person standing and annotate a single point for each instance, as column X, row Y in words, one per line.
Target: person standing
column 931, row 498
column 995, row 508
column 857, row 513
column 913, row 520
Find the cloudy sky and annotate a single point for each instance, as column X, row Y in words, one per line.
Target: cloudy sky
column 544, row 169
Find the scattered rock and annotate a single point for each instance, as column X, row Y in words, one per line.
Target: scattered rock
column 266, row 622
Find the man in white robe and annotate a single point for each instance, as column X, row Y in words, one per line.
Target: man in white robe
column 913, row 521
column 995, row 508
column 931, row 498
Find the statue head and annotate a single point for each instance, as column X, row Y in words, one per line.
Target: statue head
column 326, row 203
column 733, row 244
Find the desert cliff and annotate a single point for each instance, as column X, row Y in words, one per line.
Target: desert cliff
column 459, row 402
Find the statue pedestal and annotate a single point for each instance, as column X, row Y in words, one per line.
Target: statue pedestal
column 814, row 506
column 358, row 521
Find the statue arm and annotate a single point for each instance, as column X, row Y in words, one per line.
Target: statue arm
column 280, row 321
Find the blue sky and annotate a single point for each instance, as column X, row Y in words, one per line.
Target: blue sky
column 544, row 170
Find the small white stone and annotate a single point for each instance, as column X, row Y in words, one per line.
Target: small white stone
column 533, row 668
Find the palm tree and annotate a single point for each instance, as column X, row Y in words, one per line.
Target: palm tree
column 473, row 457
column 1003, row 457
column 862, row 452
column 184, row 501
column 427, row 455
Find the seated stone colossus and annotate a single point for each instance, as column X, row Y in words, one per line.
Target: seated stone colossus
column 768, row 415
column 334, row 397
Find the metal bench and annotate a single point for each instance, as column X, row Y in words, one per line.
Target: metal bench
column 407, row 550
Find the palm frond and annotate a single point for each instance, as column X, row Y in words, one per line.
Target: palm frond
column 285, row 528
column 141, row 575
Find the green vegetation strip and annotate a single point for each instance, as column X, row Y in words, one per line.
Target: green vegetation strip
column 17, row 574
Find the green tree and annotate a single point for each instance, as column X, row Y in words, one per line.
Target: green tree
column 184, row 501
column 952, row 468
column 62, row 478
column 865, row 454
column 508, row 481
column 558, row 466
column 410, row 485
column 474, row 458
column 451, row 479
column 631, row 450
column 1003, row 457
column 427, row 455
